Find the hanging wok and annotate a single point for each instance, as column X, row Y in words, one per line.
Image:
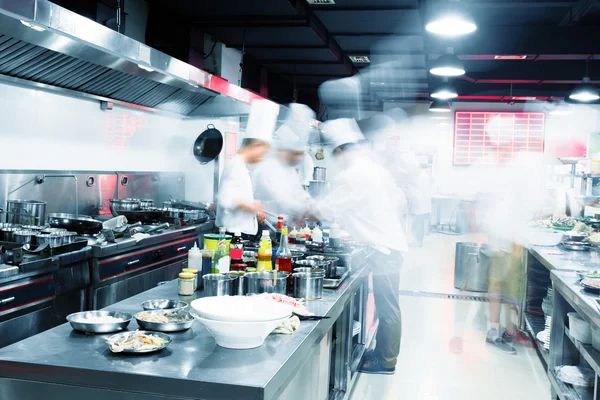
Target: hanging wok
column 208, row 145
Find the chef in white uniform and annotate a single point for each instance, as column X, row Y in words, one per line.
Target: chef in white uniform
column 363, row 199
column 237, row 209
column 277, row 184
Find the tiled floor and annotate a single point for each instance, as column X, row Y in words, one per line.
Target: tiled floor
column 427, row 368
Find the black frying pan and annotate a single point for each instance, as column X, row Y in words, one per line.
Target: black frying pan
column 83, row 225
column 208, row 145
column 144, row 216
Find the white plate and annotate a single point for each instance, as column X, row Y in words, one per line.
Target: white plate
column 240, row 309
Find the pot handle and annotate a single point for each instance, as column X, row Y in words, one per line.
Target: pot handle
column 210, row 126
column 475, row 255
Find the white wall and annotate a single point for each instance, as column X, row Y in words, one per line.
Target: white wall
column 42, row 130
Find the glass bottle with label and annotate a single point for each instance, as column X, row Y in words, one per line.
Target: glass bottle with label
column 265, row 252
column 284, row 254
column 236, row 251
column 221, row 259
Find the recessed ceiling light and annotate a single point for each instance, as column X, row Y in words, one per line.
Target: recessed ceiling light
column 585, row 92
column 523, row 57
column 440, row 106
column 360, row 59
column 32, row 26
column 145, row 68
column 448, row 65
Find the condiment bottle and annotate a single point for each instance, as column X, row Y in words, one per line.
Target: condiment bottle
column 280, row 224
column 187, row 284
column 236, row 249
column 195, row 258
column 265, row 252
column 307, row 232
column 293, row 236
column 221, row 260
column 194, row 272
column 317, row 235
column 335, row 236
column 284, row 254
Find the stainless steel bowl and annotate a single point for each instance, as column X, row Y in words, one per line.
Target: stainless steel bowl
column 68, row 237
column 330, row 264
column 220, row 285
column 51, row 240
column 53, row 231
column 308, row 285
column 164, row 304
column 84, row 321
column 146, row 203
column 309, row 270
column 166, row 326
column 25, row 237
column 263, row 282
column 117, row 205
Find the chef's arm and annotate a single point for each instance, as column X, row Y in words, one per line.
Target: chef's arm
column 228, row 199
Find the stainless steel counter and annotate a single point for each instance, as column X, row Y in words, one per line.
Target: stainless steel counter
column 64, row 364
column 556, row 257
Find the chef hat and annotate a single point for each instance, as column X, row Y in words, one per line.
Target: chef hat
column 289, row 138
column 301, row 119
column 341, row 131
column 262, row 120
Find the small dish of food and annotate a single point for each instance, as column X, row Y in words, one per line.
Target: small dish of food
column 164, row 304
column 588, row 273
column 591, row 284
column 138, row 342
column 594, row 239
column 563, row 223
column 164, row 320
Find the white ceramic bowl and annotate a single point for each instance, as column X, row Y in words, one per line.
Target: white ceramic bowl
column 239, row 335
column 240, row 309
column 544, row 237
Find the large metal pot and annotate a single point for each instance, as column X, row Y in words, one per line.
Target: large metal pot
column 8, row 234
column 117, row 205
column 308, row 285
column 263, row 282
column 219, row 285
column 471, row 267
column 319, row 189
column 320, row 174
column 329, row 264
column 26, row 212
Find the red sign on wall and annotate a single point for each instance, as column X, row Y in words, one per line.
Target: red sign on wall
column 492, row 138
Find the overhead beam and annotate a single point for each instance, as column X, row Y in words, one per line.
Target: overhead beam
column 519, row 4
column 376, row 34
column 277, row 46
column 298, row 62
column 578, row 11
column 334, row 8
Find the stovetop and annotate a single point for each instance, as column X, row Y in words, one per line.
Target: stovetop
column 101, row 249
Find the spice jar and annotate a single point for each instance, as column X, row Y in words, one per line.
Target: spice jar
column 187, row 284
column 192, row 271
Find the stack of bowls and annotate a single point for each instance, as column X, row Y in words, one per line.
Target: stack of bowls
column 240, row 322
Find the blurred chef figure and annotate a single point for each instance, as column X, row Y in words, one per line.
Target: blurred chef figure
column 363, row 199
column 277, row 183
column 237, row 209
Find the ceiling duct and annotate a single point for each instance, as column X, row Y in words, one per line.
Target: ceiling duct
column 48, row 47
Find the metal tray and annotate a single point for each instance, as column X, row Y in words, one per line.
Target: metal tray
column 334, row 283
column 165, row 327
column 590, row 288
column 125, row 334
column 78, row 321
column 576, row 246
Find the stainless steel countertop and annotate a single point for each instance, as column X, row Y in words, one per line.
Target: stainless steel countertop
column 556, row 257
column 567, row 283
column 192, row 366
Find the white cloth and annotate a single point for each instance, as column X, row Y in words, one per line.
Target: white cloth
column 341, row 131
column 262, row 120
column 305, row 169
column 279, row 188
column 236, row 187
column 364, row 199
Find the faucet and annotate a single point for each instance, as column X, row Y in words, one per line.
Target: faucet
column 42, row 178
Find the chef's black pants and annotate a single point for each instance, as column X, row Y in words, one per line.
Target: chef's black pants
column 386, row 284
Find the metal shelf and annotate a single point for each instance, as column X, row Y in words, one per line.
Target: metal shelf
column 535, row 325
column 587, row 351
column 568, row 392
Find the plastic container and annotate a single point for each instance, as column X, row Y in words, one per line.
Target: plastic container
column 265, row 252
column 579, row 328
column 317, row 235
column 187, row 284
column 211, row 241
column 335, row 236
column 195, row 260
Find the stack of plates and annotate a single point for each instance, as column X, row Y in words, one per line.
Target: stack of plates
column 355, row 328
column 240, row 322
column 544, row 336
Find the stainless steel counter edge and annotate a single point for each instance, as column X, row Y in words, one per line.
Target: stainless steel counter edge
column 298, row 348
column 567, row 283
column 557, row 258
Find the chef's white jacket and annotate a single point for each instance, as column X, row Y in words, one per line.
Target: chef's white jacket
column 279, row 188
column 235, row 187
column 364, row 199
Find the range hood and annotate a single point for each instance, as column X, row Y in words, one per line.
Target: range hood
column 49, row 47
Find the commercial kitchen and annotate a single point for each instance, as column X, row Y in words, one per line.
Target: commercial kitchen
column 119, row 118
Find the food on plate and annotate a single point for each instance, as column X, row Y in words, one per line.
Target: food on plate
column 297, row 307
column 101, row 319
column 594, row 238
column 580, row 229
column 588, row 274
column 164, row 318
column 137, row 341
column 591, row 282
column 541, row 223
column 563, row 221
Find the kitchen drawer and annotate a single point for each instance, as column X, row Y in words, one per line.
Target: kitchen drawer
column 26, row 293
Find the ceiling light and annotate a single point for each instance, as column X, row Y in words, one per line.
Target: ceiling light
column 523, row 57
column 145, row 68
column 451, row 21
column 440, row 106
column 32, row 26
column 446, row 92
column 585, row 91
column 448, row 65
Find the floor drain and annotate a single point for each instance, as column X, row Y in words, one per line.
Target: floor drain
column 482, row 298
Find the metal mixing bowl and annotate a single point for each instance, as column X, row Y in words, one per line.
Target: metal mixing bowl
column 164, row 304
column 83, row 321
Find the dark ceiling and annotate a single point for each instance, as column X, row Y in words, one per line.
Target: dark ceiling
column 302, row 45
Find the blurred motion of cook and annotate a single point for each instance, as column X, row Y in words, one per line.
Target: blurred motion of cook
column 277, row 183
column 363, row 199
column 237, row 210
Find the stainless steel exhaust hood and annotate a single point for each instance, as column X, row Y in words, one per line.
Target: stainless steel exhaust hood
column 49, row 47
